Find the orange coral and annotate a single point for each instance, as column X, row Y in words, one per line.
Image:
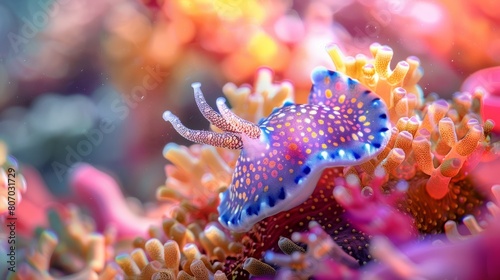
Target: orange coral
column 434, row 143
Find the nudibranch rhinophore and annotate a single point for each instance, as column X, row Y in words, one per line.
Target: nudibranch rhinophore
column 283, row 156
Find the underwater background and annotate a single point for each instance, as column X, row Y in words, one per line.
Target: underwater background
column 263, row 139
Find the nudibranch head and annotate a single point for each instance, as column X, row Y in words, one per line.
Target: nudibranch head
column 283, row 156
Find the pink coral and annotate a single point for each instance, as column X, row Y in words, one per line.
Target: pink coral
column 372, row 211
column 474, row 258
column 101, row 194
column 468, row 258
column 486, row 81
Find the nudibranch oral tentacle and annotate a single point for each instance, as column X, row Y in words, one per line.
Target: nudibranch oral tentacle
column 283, row 156
column 226, row 140
column 210, row 114
column 238, row 124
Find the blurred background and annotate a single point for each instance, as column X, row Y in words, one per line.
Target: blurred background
column 88, row 80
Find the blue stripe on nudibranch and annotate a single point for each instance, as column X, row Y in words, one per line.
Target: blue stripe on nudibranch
column 356, row 155
column 282, row 194
column 298, row 179
column 306, row 169
column 271, row 201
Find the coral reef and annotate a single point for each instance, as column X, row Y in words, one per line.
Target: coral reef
column 296, row 140
column 473, row 258
column 336, row 164
column 420, row 177
column 409, row 260
column 377, row 172
column 71, row 249
column 433, row 146
column 180, row 257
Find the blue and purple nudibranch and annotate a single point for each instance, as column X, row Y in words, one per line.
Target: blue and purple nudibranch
column 283, row 156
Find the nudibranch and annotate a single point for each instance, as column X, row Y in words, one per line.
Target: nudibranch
column 283, row 156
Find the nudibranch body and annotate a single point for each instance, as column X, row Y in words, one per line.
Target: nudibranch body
column 282, row 157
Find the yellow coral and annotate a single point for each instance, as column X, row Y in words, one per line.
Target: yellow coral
column 73, row 249
column 197, row 173
column 398, row 87
column 180, row 256
column 257, row 103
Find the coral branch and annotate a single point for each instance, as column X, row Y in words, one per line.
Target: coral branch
column 102, row 195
